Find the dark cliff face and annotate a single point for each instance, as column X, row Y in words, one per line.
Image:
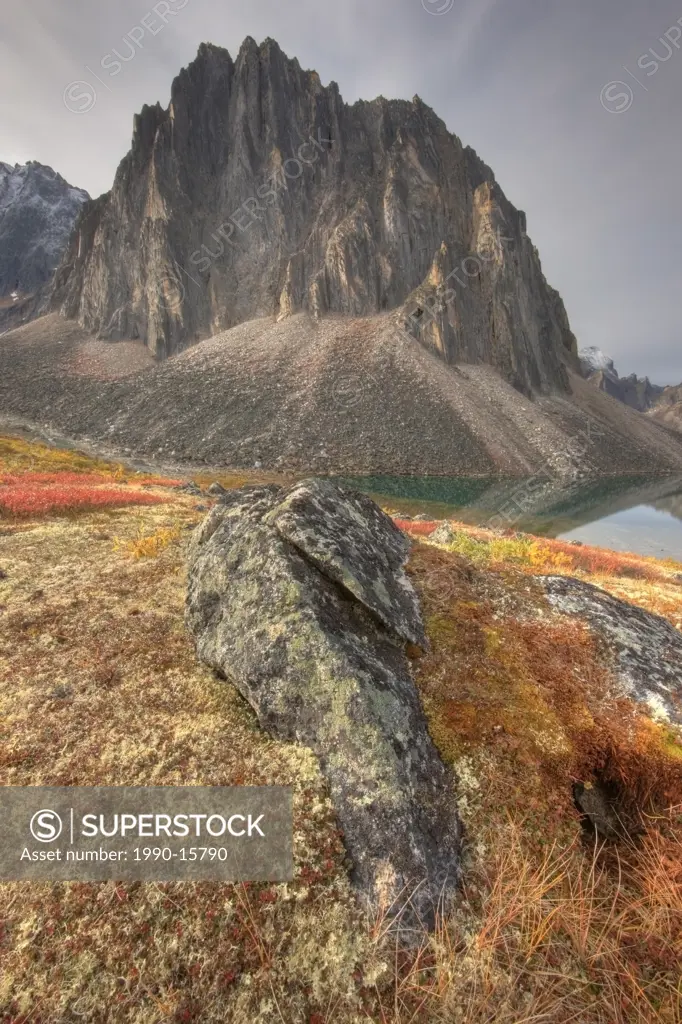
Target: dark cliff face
column 38, row 209
column 637, row 392
column 259, row 192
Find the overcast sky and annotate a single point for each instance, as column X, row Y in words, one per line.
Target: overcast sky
column 597, row 167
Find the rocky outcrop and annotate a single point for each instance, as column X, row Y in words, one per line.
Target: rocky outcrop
column 646, row 649
column 38, row 210
column 667, row 410
column 300, row 598
column 637, row 392
column 259, row 192
column 593, row 360
column 20, row 309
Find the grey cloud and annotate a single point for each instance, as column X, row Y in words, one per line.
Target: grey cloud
column 520, row 82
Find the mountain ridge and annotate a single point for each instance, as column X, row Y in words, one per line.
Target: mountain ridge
column 278, row 279
column 664, row 404
column 38, row 209
column 259, row 192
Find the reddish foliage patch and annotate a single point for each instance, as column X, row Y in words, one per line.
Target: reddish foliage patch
column 595, row 561
column 420, row 529
column 36, row 499
column 603, row 562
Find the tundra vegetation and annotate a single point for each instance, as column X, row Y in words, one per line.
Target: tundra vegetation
column 100, row 685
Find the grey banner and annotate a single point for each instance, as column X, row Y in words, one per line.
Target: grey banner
column 159, row 834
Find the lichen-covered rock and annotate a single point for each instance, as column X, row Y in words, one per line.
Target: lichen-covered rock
column 647, row 649
column 352, row 542
column 444, row 534
column 216, row 490
column 280, row 600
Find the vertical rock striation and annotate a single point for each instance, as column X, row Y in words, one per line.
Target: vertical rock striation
column 259, row 192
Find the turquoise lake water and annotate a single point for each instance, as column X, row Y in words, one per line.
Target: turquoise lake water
column 637, row 514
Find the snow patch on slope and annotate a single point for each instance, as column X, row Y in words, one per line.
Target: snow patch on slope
column 592, row 360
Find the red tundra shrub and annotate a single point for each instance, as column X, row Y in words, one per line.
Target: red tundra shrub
column 598, row 561
column 35, row 499
column 419, row 529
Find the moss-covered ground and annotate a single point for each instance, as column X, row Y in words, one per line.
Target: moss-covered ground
column 99, row 685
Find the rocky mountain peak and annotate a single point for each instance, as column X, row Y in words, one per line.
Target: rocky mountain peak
column 592, row 360
column 637, row 392
column 38, row 209
column 259, row 192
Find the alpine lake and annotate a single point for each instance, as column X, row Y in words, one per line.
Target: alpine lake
column 634, row 514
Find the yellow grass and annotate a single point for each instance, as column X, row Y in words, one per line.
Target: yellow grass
column 18, row 454
column 148, row 545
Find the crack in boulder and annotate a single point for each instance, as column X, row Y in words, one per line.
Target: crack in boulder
column 357, row 546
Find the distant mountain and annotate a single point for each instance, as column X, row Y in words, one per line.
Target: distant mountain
column 663, row 404
column 259, row 192
column 38, row 209
column 593, row 360
column 637, row 392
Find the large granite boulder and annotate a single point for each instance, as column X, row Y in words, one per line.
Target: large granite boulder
column 300, row 598
column 646, row 649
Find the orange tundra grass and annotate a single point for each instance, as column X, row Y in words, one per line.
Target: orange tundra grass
column 102, row 687
column 539, row 554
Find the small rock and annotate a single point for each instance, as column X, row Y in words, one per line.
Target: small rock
column 61, row 692
column 603, row 810
column 444, row 534
column 191, row 488
column 216, row 490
